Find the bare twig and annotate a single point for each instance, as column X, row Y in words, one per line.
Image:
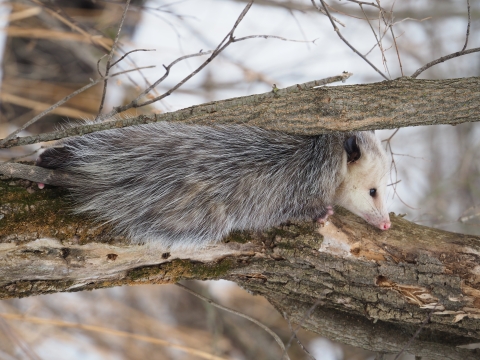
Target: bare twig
column 346, row 42
column 213, row 303
column 379, row 43
column 468, row 26
column 364, row 3
column 411, row 19
column 128, row 53
column 272, row 37
column 390, row 26
column 442, row 59
column 307, row 315
column 324, row 13
column 168, row 68
column 393, row 166
column 62, row 101
column 110, row 56
column 395, row 183
column 307, row 353
column 98, row 64
column 341, row 12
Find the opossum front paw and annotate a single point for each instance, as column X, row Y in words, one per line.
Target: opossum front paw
column 322, row 219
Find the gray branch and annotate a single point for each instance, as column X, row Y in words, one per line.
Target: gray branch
column 304, row 109
column 372, row 289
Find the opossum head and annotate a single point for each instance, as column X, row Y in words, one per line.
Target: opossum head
column 366, row 169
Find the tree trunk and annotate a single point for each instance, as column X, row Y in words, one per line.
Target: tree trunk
column 370, row 288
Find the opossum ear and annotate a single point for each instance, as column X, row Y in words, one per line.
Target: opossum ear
column 352, row 149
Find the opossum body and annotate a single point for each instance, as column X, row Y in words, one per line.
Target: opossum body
column 185, row 186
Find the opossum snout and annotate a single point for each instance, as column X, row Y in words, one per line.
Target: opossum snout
column 385, row 225
column 379, row 221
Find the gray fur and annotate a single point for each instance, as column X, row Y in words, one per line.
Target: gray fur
column 185, row 186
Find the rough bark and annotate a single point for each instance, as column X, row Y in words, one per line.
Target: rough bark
column 384, row 105
column 373, row 289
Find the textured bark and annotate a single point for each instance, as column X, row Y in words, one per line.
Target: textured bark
column 374, row 288
column 384, row 105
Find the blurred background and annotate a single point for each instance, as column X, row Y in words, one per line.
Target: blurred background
column 49, row 49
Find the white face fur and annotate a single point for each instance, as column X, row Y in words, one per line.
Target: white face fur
column 363, row 190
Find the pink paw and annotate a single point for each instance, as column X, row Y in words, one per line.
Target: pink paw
column 323, row 219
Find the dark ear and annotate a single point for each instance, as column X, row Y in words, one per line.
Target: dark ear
column 352, row 149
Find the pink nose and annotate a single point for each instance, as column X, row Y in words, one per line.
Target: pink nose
column 385, row 225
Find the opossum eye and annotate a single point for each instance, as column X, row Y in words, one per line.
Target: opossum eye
column 373, row 192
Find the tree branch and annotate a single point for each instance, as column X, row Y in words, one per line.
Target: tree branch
column 304, row 109
column 376, row 288
column 443, row 59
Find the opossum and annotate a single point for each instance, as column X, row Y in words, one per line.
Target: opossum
column 184, row 186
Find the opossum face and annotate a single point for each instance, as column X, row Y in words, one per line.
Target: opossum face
column 363, row 191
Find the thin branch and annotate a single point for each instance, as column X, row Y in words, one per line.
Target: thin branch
column 468, row 26
column 381, row 14
column 395, row 183
column 393, row 166
column 110, row 56
column 167, row 68
column 364, row 3
column 442, row 59
column 390, row 25
column 62, row 101
column 305, row 316
column 342, row 13
column 346, row 42
column 98, row 64
column 307, row 353
column 411, row 19
column 133, row 63
column 376, row 37
column 235, row 312
column 128, row 53
column 379, row 43
column 324, row 13
column 300, row 28
column 272, row 37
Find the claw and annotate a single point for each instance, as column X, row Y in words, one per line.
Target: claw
column 323, row 219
